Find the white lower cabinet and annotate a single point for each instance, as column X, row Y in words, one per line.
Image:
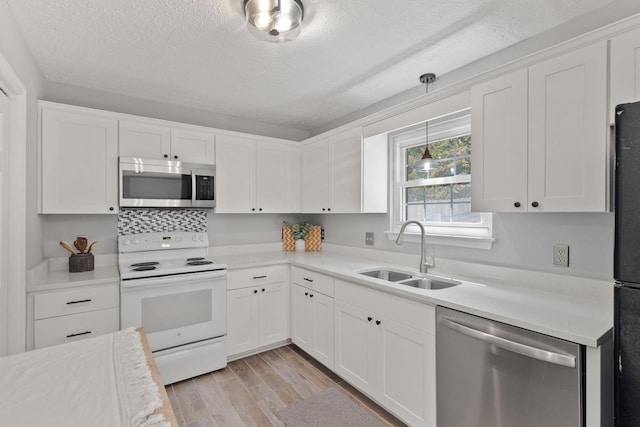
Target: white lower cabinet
column 257, row 314
column 385, row 346
column 312, row 323
column 73, row 314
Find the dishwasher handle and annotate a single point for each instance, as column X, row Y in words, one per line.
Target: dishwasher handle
column 515, row 347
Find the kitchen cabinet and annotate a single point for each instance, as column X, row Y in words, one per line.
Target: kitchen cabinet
column 73, row 314
column 312, row 314
column 332, row 174
column 254, row 176
column 79, row 161
column 625, row 70
column 385, row 346
column 540, row 136
column 149, row 140
column 257, row 309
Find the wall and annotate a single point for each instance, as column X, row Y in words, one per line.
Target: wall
column 17, row 53
column 524, row 240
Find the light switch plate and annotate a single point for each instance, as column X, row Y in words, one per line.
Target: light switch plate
column 368, row 238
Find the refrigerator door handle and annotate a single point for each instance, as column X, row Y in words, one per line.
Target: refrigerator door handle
column 515, row 347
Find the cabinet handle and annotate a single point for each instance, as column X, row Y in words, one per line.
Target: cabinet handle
column 323, row 209
column 253, row 209
column 329, row 209
column 255, row 291
column 79, row 301
column 260, row 209
column 516, row 204
column 78, row 334
column 369, row 319
column 166, row 156
column 262, row 289
column 311, row 296
column 378, row 322
column 306, row 293
column 307, row 279
column 535, row 204
column 175, row 157
column 110, row 208
column 260, row 277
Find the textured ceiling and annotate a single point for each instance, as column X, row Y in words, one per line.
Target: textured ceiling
column 198, row 53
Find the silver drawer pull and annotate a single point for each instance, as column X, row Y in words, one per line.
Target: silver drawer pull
column 307, row 279
column 78, row 334
column 79, row 301
column 259, row 277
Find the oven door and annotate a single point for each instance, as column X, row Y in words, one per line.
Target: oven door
column 176, row 310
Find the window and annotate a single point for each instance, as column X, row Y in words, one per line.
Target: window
column 440, row 197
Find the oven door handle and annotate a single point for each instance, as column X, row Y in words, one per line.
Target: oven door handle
column 515, row 347
column 220, row 274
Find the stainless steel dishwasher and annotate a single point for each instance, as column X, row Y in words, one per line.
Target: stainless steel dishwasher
column 490, row 374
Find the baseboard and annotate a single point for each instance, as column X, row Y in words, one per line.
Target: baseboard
column 232, row 357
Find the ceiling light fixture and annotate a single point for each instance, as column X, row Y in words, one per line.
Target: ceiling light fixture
column 274, row 20
column 427, row 161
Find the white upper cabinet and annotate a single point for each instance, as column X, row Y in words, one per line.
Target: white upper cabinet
column 546, row 123
column 153, row 141
column 625, row 70
column 332, row 174
column 79, row 155
column 499, row 141
column 256, row 176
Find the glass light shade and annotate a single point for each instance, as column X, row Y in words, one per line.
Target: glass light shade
column 274, row 20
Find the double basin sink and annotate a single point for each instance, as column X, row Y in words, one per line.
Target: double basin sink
column 422, row 281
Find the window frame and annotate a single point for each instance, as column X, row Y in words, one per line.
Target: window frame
column 474, row 235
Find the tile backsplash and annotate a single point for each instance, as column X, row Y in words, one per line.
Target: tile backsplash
column 138, row 221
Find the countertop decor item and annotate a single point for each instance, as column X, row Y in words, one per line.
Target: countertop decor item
column 83, row 259
column 296, row 237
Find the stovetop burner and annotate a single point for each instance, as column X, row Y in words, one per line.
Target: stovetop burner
column 144, row 267
column 145, row 264
column 199, row 262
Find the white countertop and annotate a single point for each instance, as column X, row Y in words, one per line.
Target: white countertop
column 575, row 309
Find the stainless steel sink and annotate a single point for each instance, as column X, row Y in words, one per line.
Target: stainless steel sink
column 412, row 280
column 388, row 275
column 429, row 283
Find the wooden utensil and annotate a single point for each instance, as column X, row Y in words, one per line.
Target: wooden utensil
column 91, row 246
column 67, row 247
column 81, row 243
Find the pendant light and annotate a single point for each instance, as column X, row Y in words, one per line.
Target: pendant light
column 274, row 20
column 427, row 161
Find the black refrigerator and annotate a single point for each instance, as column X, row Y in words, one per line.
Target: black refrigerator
column 626, row 266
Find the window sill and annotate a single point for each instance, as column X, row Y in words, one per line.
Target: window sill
column 446, row 240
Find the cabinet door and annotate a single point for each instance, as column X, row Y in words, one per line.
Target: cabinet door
column 625, row 70
column 568, row 132
column 407, row 369
column 277, row 178
column 193, row 146
column 242, row 320
column 345, row 160
column 354, row 346
column 301, row 318
column 315, row 178
column 323, row 335
column 274, row 313
column 145, row 140
column 235, row 175
column 79, row 163
column 499, row 138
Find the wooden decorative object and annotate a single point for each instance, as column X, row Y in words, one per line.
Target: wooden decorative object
column 81, row 262
column 313, row 240
column 288, row 242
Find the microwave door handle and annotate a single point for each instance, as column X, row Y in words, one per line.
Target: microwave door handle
column 193, row 188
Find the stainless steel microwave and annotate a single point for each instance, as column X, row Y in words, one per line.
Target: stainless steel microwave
column 166, row 184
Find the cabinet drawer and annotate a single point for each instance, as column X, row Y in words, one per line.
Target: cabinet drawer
column 63, row 329
column 411, row 313
column 78, row 300
column 312, row 280
column 255, row 276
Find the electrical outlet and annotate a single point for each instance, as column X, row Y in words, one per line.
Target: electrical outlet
column 561, row 255
column 368, row 238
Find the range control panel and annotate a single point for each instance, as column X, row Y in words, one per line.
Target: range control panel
column 162, row 240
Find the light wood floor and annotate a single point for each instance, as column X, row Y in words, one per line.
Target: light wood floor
column 249, row 392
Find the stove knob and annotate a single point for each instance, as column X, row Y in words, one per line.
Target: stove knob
column 195, row 237
column 136, row 241
column 126, row 242
column 202, row 238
